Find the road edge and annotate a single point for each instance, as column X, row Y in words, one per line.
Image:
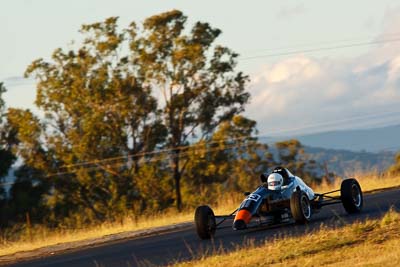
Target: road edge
column 89, row 243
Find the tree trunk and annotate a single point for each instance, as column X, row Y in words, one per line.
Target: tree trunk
column 177, row 180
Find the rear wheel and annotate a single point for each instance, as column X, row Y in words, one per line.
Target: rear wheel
column 205, row 222
column 300, row 207
column 351, row 195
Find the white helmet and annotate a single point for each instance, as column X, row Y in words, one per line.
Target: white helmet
column 275, row 181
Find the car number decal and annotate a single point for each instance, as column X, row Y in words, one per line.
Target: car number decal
column 254, row 197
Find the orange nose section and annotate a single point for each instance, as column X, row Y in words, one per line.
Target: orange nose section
column 244, row 215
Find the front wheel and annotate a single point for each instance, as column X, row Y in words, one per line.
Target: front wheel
column 351, row 195
column 300, row 207
column 204, row 219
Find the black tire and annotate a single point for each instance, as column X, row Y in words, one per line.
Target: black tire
column 351, row 196
column 300, row 207
column 205, row 222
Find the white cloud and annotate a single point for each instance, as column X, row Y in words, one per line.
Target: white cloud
column 305, row 94
column 295, row 68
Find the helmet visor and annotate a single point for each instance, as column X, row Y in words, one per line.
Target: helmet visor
column 274, row 183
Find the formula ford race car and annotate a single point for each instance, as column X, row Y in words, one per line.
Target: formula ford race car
column 271, row 203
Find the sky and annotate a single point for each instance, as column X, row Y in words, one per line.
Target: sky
column 314, row 65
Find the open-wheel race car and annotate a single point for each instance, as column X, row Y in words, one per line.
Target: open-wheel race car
column 281, row 198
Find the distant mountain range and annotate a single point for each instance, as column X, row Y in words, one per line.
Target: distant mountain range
column 347, row 163
column 369, row 140
column 349, row 151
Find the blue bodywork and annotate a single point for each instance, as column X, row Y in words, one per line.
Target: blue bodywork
column 264, row 202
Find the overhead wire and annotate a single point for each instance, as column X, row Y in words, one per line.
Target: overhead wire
column 320, row 49
column 360, row 117
column 364, row 39
column 169, row 150
column 217, row 141
column 141, row 154
column 95, row 165
column 192, row 147
column 160, row 158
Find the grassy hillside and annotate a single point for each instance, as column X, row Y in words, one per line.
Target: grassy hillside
column 371, row 243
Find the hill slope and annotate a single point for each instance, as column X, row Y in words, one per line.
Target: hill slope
column 345, row 162
column 371, row 140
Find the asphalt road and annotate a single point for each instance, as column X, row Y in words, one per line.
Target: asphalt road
column 184, row 244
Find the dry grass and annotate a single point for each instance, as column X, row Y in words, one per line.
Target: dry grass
column 368, row 182
column 372, row 243
column 43, row 237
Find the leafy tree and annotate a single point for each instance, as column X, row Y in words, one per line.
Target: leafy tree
column 7, row 158
column 122, row 93
column 248, row 158
column 254, row 159
column 291, row 155
column 196, row 79
column 154, row 186
column 27, row 196
column 231, row 161
column 96, row 106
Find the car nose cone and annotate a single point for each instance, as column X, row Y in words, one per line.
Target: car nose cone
column 239, row 225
